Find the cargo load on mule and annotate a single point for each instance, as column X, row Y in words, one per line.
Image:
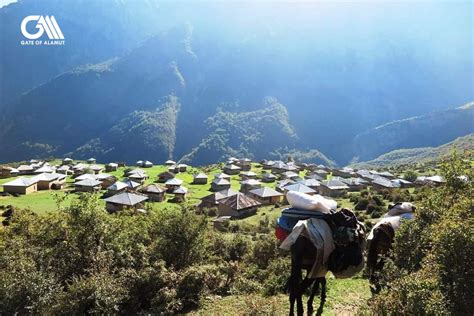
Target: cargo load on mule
column 344, row 240
column 320, row 239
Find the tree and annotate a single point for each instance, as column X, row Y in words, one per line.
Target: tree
column 410, row 175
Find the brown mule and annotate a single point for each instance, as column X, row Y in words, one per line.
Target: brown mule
column 379, row 248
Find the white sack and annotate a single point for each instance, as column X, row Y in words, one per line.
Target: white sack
column 394, row 221
column 310, row 202
column 401, row 208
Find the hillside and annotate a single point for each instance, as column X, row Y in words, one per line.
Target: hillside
column 334, row 81
column 414, row 156
column 431, row 130
column 117, row 25
column 153, row 133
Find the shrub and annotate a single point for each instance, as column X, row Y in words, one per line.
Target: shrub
column 362, row 204
column 410, row 175
column 433, row 266
column 265, row 249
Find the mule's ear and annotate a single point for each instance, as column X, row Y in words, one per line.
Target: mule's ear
column 413, row 208
column 390, row 206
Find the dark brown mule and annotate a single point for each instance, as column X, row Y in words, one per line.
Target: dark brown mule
column 379, row 248
column 303, row 256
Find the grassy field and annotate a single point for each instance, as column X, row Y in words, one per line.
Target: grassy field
column 344, row 297
column 44, row 201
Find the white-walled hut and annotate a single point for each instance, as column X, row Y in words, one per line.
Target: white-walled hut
column 155, row 192
column 173, row 184
column 125, row 201
column 266, row 195
column 231, row 169
column 238, row 206
column 21, row 186
column 220, row 184
column 200, row 178
column 88, row 185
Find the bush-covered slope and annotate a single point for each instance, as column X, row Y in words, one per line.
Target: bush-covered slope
column 253, row 134
column 429, row 130
column 413, row 156
column 141, row 134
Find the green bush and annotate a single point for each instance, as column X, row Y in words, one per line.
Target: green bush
column 410, row 175
column 265, row 249
column 362, row 204
column 433, row 267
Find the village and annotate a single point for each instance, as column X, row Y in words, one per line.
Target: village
column 236, row 189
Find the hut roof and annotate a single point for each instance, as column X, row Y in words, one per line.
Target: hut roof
column 84, row 177
column 310, row 182
column 45, row 169
column 21, row 182
column 335, row 184
column 174, row 181
column 232, row 167
column 131, row 184
column 25, row 168
column 88, row 183
column 49, row 177
column 126, row 198
column 248, row 173
column 96, row 167
column 180, row 190
column 154, row 188
column 117, row 186
column 219, row 195
column 267, row 175
column 239, row 202
column 251, row 182
column 200, row 176
column 137, row 174
column 221, row 181
column 266, row 192
column 290, row 174
column 298, row 187
column 221, row 175
column 103, row 176
column 385, row 183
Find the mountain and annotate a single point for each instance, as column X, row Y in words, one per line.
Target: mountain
column 94, row 31
column 146, row 133
column 429, row 130
column 124, row 59
column 414, row 156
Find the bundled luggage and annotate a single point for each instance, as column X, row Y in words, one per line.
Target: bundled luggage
column 348, row 235
column 308, row 202
column 401, row 208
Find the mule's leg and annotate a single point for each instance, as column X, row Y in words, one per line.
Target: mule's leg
column 295, row 277
column 323, row 289
column 292, row 301
column 314, row 290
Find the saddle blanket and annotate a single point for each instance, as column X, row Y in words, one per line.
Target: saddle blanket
column 320, row 235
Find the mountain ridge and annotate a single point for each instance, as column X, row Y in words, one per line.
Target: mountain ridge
column 414, row 156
